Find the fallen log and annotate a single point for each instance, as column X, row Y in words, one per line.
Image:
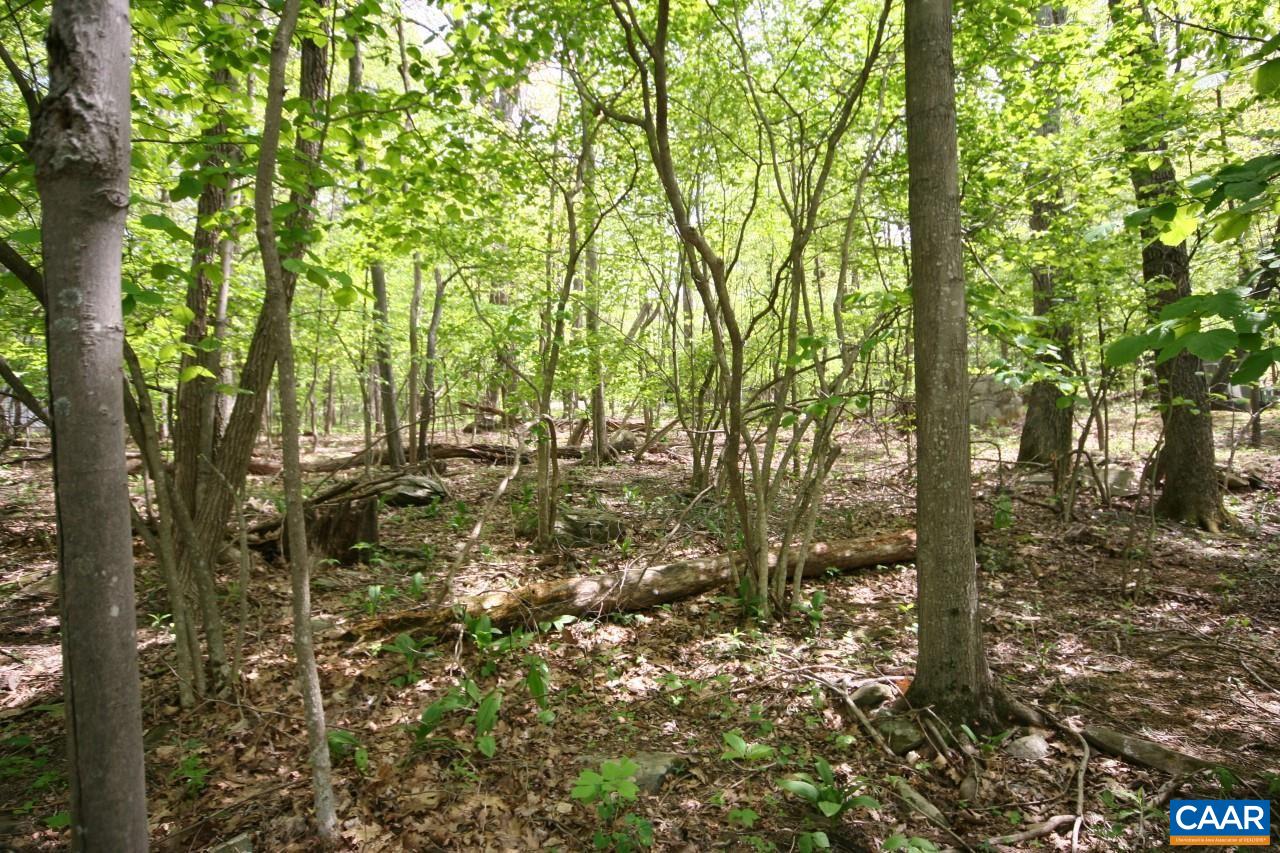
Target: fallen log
column 630, row 589
column 1148, row 753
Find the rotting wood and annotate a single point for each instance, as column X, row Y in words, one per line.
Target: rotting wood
column 629, row 589
column 1145, row 752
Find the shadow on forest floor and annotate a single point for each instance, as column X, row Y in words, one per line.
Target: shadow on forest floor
column 1159, row 631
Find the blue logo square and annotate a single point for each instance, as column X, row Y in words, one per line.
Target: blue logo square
column 1220, row 822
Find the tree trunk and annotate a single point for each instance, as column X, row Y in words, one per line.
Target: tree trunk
column 234, row 451
column 951, row 673
column 1046, row 432
column 80, row 147
column 429, row 369
column 601, row 452
column 631, row 589
column 411, row 385
column 386, row 377
column 193, row 436
column 277, row 309
column 1191, row 492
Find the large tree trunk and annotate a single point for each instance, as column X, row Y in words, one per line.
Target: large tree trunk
column 80, row 147
column 1046, row 432
column 277, row 310
column 1191, row 492
column 951, row 673
column 631, row 589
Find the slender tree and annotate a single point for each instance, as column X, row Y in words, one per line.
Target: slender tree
column 951, row 674
column 277, row 309
column 80, row 147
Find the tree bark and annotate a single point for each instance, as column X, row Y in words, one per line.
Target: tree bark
column 1046, row 432
column 238, row 439
column 411, row 384
column 80, row 147
column 429, row 369
column 1192, row 492
column 951, row 673
column 277, row 310
column 386, row 376
column 631, row 589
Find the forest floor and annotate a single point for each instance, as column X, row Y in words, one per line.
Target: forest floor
column 1157, row 630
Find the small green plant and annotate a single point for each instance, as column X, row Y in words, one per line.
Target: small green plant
column 612, row 790
column 901, row 842
column 343, row 745
column 745, row 818
column 375, row 597
column 1124, row 806
column 814, row 610
column 824, row 793
column 737, row 749
column 417, row 586
column 461, row 516
column 537, row 682
column 482, row 706
column 191, row 769
column 412, row 651
column 1002, row 516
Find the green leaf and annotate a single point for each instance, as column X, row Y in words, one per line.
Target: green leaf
column 1127, row 349
column 1255, row 365
column 829, row 809
column 487, row 745
column 191, row 371
column 1211, row 345
column 801, row 788
column 487, row 713
column 294, row 265
column 1244, row 190
column 623, row 768
column 1266, row 80
column 737, row 746
column 345, row 296
column 1182, row 226
column 9, row 205
column 160, row 222
column 1231, row 226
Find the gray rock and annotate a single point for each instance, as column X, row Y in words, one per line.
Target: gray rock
column 242, row 843
column 656, row 768
column 623, row 441
column 992, row 400
column 590, row 526
column 1032, row 747
column 872, row 695
column 1119, row 481
column 653, row 769
column 414, row 490
column 900, row 733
